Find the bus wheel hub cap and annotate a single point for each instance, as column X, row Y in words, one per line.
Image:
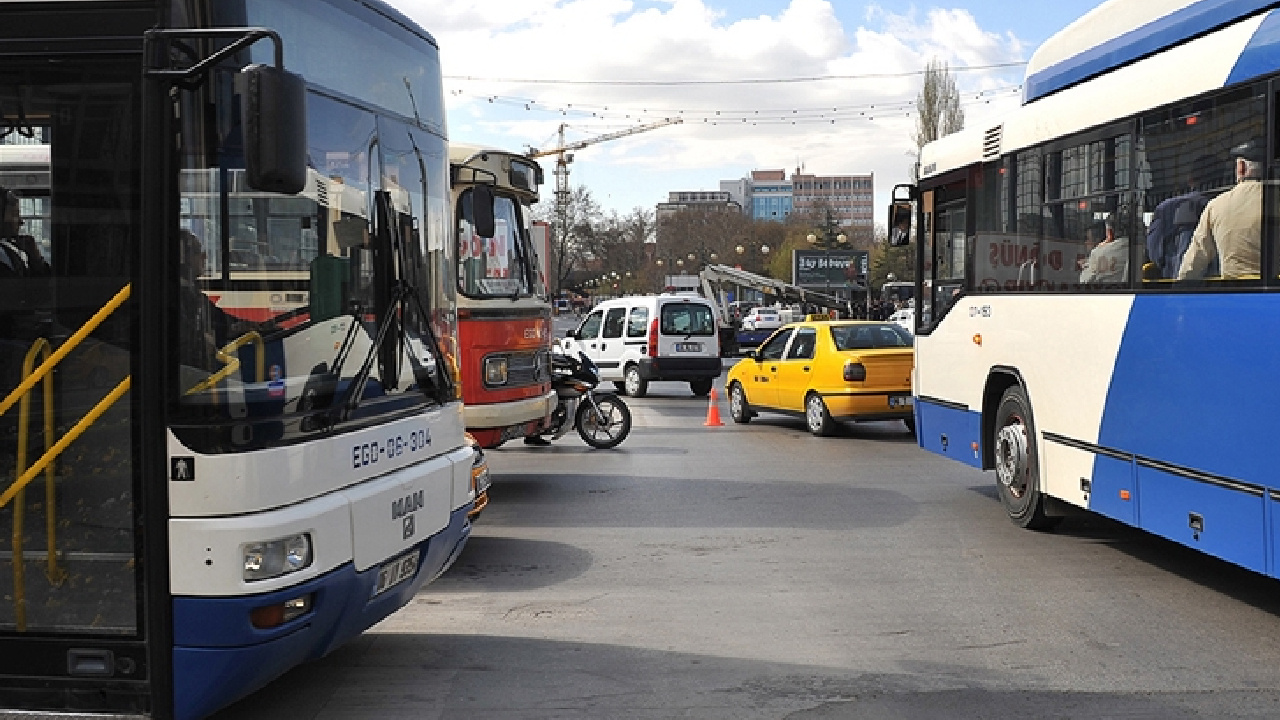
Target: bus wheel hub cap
column 1011, row 456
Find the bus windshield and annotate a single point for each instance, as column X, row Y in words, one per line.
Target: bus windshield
column 496, row 266
column 302, row 313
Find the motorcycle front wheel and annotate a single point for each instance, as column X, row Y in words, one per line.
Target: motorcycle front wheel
column 604, row 423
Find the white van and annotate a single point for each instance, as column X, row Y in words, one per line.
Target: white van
column 636, row 340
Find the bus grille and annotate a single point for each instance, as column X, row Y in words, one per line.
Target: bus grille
column 528, row 368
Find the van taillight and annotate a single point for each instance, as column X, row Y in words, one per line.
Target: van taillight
column 653, row 338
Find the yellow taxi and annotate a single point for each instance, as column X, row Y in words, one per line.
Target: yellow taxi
column 828, row 371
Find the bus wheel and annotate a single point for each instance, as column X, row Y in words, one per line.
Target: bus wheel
column 637, row 386
column 1017, row 462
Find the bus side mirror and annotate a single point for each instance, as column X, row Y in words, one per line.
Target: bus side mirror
column 900, row 224
column 274, row 119
column 482, row 210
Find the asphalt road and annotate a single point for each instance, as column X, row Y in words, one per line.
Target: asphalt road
column 759, row 572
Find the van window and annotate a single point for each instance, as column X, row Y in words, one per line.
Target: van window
column 613, row 323
column 687, row 319
column 590, row 328
column 638, row 323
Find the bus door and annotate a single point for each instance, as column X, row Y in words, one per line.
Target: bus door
column 945, row 252
column 74, row 621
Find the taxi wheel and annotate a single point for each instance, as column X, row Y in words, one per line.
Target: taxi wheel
column 739, row 408
column 817, row 417
column 1018, row 463
column 636, row 386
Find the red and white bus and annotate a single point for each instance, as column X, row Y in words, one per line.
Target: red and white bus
column 504, row 312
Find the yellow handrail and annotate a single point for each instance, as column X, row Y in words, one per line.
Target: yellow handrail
column 55, row 574
column 59, row 447
column 25, row 475
column 71, row 344
column 231, row 363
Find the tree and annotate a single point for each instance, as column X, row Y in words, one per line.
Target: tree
column 573, row 234
column 938, row 111
column 886, row 260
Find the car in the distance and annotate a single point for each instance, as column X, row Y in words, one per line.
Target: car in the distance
column 762, row 318
column 827, row 371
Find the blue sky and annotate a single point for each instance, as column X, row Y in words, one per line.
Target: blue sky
column 498, row 57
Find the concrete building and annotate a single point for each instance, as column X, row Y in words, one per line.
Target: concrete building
column 850, row 198
column 696, row 199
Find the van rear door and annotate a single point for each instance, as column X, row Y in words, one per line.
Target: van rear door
column 687, row 328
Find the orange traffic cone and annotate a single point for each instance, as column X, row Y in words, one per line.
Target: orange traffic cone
column 713, row 412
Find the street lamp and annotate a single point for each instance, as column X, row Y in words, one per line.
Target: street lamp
column 828, row 239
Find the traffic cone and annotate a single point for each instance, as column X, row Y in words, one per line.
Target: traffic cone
column 713, row 412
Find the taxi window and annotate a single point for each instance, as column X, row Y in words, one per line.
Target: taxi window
column 802, row 346
column 772, row 350
column 869, row 337
column 638, row 322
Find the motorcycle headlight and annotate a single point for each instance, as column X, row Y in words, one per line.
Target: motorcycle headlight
column 495, row 371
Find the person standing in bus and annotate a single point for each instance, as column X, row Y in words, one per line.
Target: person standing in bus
column 1230, row 227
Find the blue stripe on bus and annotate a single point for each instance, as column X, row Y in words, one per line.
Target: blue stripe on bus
column 1171, row 30
column 950, row 431
column 220, row 657
column 1195, row 384
column 1262, row 55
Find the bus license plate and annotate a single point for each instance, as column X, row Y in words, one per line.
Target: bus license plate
column 396, row 571
column 897, row 401
column 688, row 347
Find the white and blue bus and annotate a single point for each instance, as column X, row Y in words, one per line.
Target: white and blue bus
column 1060, row 339
column 231, row 429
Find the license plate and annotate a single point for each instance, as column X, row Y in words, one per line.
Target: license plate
column 896, row 401
column 394, row 572
column 688, row 347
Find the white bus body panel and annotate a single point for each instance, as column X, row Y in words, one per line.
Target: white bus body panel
column 237, row 483
column 952, row 365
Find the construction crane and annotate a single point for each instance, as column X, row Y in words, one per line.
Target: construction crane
column 564, row 154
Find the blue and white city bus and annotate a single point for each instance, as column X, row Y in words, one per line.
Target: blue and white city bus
column 231, row 431
column 1056, row 342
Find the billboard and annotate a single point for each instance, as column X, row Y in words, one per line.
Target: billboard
column 815, row 269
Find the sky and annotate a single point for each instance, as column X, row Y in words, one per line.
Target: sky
column 828, row 86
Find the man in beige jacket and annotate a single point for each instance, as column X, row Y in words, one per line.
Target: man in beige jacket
column 1230, row 228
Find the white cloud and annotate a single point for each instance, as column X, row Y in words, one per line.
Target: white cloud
column 685, row 40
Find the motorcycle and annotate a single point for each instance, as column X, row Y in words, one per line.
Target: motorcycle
column 602, row 419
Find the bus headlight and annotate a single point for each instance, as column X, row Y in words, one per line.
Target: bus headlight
column 273, row 558
column 495, row 371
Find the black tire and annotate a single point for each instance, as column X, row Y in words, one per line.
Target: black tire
column 739, row 408
column 617, row 421
column 911, row 425
column 634, row 385
column 817, row 417
column 620, row 386
column 1018, row 462
column 701, row 388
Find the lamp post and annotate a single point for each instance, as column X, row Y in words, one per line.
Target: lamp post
column 667, row 264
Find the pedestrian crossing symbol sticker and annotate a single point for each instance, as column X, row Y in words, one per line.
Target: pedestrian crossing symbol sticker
column 182, row 469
